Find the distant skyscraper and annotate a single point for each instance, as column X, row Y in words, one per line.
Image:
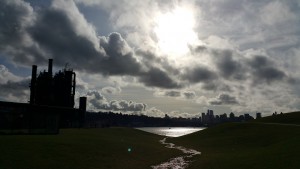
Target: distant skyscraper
column 211, row 112
column 258, row 115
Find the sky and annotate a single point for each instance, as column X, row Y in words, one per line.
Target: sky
column 156, row 57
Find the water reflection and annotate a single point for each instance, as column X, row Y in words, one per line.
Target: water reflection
column 180, row 162
column 171, row 131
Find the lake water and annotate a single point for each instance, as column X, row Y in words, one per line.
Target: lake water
column 171, row 131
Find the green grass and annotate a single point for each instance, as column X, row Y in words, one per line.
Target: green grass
column 254, row 145
column 246, row 145
column 84, row 149
column 287, row 118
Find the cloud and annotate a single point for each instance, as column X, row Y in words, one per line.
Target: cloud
column 154, row 112
column 57, row 33
column 189, row 94
column 264, row 69
column 277, row 12
column 111, row 90
column 224, row 62
column 176, row 94
column 172, row 93
column 120, row 60
column 15, row 90
column 61, row 32
column 15, row 17
column 227, row 66
column 234, row 65
column 98, row 102
column 6, row 75
column 199, row 74
column 12, row 87
column 158, row 78
column 224, row 99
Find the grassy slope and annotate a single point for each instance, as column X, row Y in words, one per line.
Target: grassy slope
column 288, row 118
column 84, row 149
column 246, row 145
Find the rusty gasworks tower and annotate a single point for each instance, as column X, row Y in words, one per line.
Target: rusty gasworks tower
column 57, row 90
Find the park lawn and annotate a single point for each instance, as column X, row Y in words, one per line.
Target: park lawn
column 109, row 148
column 287, row 118
column 245, row 146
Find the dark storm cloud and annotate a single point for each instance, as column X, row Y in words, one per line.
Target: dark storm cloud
column 158, row 78
column 160, row 72
column 265, row 69
column 57, row 33
column 259, row 61
column 98, row 101
column 177, row 94
column 150, row 60
column 172, row 93
column 15, row 17
column 53, row 33
column 210, row 86
column 224, row 99
column 232, row 66
column 120, row 60
column 189, row 94
column 13, row 87
column 270, row 74
column 16, row 90
column 199, row 74
column 227, row 66
column 31, row 36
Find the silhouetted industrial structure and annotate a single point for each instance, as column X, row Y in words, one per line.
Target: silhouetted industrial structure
column 57, row 90
column 51, row 105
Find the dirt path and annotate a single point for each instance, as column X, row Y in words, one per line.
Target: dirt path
column 180, row 162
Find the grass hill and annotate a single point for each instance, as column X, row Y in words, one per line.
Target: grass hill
column 287, row 118
column 258, row 145
column 110, row 148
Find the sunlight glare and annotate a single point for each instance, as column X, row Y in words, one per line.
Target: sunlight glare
column 175, row 31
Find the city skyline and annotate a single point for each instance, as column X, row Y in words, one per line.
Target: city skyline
column 158, row 57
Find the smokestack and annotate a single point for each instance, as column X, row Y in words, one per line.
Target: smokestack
column 33, row 84
column 82, row 111
column 82, row 103
column 74, row 83
column 50, row 67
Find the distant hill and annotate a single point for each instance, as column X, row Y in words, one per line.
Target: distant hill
column 286, row 118
column 268, row 143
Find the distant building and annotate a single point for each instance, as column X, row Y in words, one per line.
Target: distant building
column 209, row 119
column 248, row 117
column 258, row 115
column 210, row 112
column 223, row 117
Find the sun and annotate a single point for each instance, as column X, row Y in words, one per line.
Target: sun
column 174, row 31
